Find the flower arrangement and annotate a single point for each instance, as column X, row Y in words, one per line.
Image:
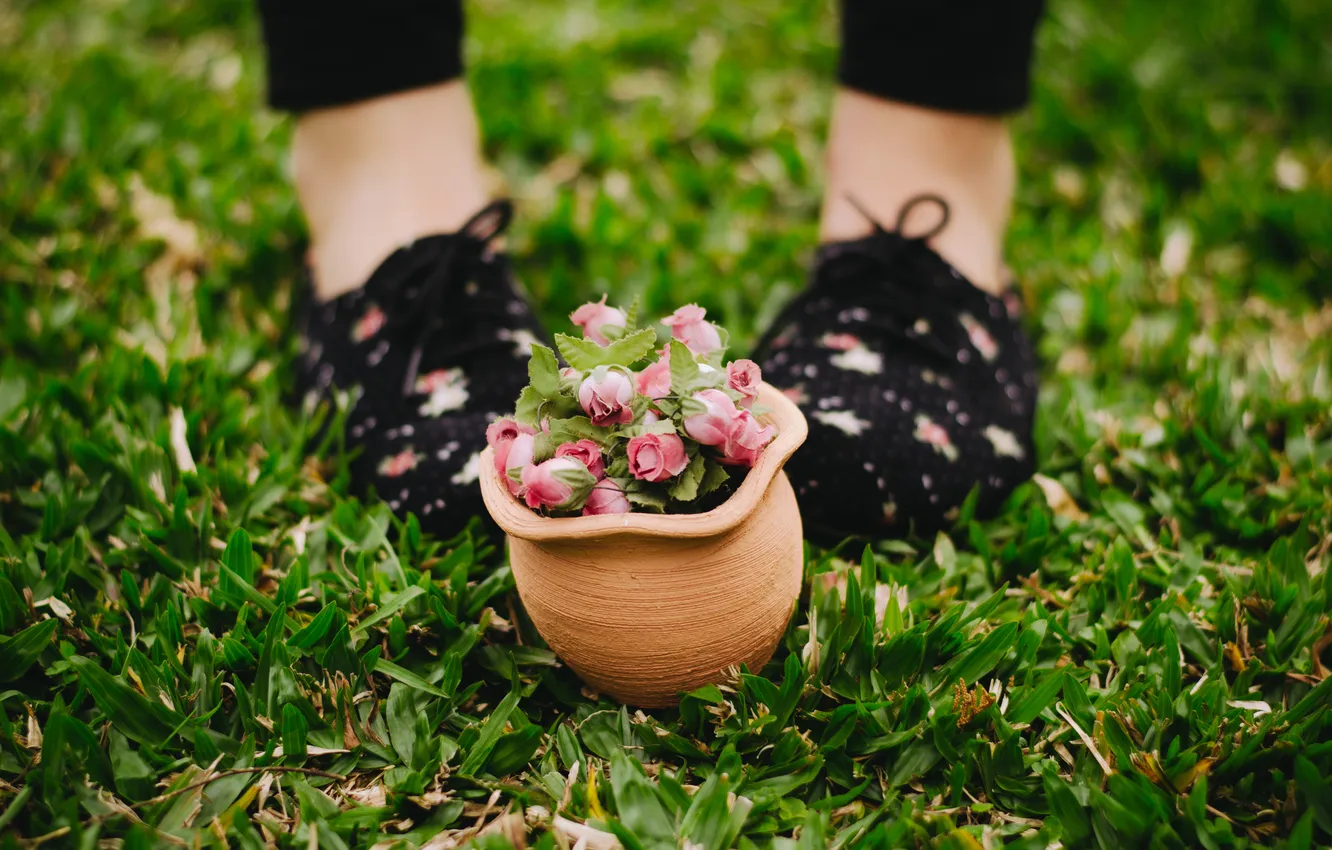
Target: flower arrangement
column 627, row 426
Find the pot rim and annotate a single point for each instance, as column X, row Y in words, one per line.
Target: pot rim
column 517, row 521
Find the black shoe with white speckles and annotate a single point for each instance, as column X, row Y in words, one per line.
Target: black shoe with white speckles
column 432, row 348
column 918, row 387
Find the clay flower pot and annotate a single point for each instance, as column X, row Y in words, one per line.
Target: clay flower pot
column 646, row 606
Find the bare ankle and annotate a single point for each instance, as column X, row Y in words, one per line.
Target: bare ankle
column 881, row 154
column 375, row 175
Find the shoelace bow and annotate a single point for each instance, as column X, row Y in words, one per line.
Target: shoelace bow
column 876, row 274
column 426, row 300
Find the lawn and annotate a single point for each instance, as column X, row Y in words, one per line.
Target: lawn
column 206, row 641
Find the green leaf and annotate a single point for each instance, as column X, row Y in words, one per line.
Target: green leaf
column 527, row 410
column 134, row 715
column 1315, row 790
column 1033, row 701
column 317, row 629
column 579, row 481
column 631, row 316
column 13, row 392
column 982, row 659
column 16, row 805
column 543, row 371
column 685, row 488
column 407, row 677
column 919, row 757
column 585, row 355
column 392, row 605
column 944, row 553
column 514, row 750
column 684, row 370
column 714, row 476
column 239, row 556
column 1065, row 806
column 490, row 733
column 19, row 652
column 708, row 822
column 647, row 496
column 575, row 428
column 600, row 732
column 294, row 733
column 532, row 407
column 400, row 715
column 638, row 805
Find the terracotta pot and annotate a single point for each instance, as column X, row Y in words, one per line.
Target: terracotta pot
column 646, row 606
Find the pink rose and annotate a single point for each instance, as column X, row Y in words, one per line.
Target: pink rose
column 745, row 440
column 743, row 376
column 657, row 457
column 561, row 483
column 655, row 380
column 712, row 426
column 593, row 316
column 605, row 396
column 586, row 452
column 499, row 434
column 688, row 326
column 650, row 417
column 517, row 458
column 606, row 498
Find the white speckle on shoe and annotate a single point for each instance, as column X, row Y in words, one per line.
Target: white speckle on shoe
column 859, row 359
column 1005, row 442
column 845, row 421
column 470, row 471
column 377, row 353
column 522, row 339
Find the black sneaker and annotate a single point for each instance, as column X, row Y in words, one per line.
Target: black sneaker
column 917, row 385
column 431, row 350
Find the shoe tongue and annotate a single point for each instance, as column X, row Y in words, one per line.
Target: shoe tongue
column 405, row 261
column 917, row 260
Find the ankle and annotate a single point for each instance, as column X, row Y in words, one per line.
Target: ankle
column 375, row 175
column 882, row 153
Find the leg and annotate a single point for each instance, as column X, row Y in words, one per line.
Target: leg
column 386, row 146
column 923, row 90
column 906, row 352
column 410, row 310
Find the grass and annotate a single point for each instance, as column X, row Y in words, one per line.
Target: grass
column 1134, row 654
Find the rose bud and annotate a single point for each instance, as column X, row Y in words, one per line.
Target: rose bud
column 605, row 396
column 688, row 325
column 594, row 316
column 712, row 426
column 499, row 434
column 561, row 483
column 606, row 498
column 657, row 457
column 745, row 440
column 519, row 456
column 587, row 453
column 744, row 376
column 655, row 380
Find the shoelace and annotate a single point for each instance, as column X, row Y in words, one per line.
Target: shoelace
column 424, row 308
column 876, row 274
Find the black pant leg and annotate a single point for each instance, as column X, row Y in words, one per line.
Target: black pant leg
column 969, row 56
column 325, row 53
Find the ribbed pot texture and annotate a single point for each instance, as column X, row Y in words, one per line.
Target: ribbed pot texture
column 644, row 606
